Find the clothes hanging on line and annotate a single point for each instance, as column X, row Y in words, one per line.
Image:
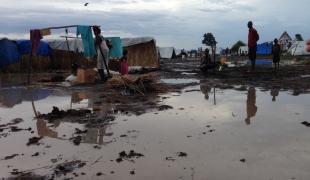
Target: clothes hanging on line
column 88, row 40
column 45, row 32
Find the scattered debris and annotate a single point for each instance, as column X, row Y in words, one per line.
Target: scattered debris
column 34, row 140
column 59, row 114
column 182, row 154
column 35, row 154
column 10, row 157
column 68, row 167
column 130, row 155
column 76, row 140
column 170, row 159
column 99, row 174
column 306, row 123
column 78, row 131
column 132, row 172
column 13, row 122
column 164, row 107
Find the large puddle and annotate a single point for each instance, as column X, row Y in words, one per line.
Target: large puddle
column 209, row 134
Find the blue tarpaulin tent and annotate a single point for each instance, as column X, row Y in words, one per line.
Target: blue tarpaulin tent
column 24, row 47
column 264, row 49
column 8, row 52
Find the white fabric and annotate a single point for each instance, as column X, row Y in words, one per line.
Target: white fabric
column 71, row 78
column 166, row 52
column 75, row 45
column 178, row 51
column 243, row 49
column 100, row 60
column 298, row 48
column 134, row 41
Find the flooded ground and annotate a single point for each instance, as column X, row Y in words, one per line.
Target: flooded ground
column 205, row 128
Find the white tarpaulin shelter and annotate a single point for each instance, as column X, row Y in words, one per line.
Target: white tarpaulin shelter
column 75, row 45
column 167, row 52
column 298, row 48
column 243, row 50
column 178, row 51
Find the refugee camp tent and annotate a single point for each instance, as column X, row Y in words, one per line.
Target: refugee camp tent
column 167, row 52
column 264, row 48
column 141, row 51
column 298, row 48
column 9, row 53
column 75, row 45
column 243, row 50
column 178, row 52
column 24, row 47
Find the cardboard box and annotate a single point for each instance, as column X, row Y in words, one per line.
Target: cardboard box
column 86, row 75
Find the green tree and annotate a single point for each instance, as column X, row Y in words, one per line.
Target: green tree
column 299, row 37
column 209, row 40
column 237, row 45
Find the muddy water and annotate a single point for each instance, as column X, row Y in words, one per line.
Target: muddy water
column 226, row 134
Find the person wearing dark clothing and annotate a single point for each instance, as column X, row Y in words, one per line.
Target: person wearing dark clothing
column 276, row 52
column 253, row 37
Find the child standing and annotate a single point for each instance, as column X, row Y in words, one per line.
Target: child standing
column 124, row 63
column 276, row 52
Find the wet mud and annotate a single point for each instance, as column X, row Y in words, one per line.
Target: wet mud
column 185, row 125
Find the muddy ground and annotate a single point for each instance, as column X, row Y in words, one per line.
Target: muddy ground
column 232, row 124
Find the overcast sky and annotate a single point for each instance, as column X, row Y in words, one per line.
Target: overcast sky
column 178, row 23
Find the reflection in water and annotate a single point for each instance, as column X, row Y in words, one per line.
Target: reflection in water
column 96, row 135
column 251, row 107
column 205, row 89
column 10, row 97
column 274, row 93
column 44, row 131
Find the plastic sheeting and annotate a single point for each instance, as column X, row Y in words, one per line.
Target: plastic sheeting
column 298, row 48
column 75, row 45
column 264, row 49
column 167, row 52
column 8, row 52
column 117, row 48
column 24, row 47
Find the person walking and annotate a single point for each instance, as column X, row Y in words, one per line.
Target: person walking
column 253, row 37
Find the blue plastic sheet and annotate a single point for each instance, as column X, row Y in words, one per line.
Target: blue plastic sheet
column 24, row 47
column 8, row 52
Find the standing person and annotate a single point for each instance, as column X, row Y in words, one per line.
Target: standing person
column 101, row 42
column 308, row 45
column 124, row 63
column 276, row 52
column 253, row 37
